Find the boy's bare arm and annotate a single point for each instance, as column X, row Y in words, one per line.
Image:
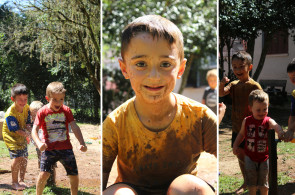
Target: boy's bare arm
column 289, row 135
column 239, row 138
column 78, row 134
column 42, row 146
column 278, row 129
column 223, row 91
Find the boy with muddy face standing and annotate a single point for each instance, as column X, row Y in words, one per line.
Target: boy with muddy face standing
column 157, row 136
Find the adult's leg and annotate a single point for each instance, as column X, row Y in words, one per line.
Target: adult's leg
column 41, row 182
column 189, row 185
column 119, row 189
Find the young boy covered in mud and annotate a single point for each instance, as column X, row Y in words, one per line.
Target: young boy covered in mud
column 157, row 136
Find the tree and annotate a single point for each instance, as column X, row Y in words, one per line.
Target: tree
column 63, row 30
column 196, row 20
column 246, row 20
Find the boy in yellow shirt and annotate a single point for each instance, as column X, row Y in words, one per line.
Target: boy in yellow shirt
column 157, row 136
column 17, row 119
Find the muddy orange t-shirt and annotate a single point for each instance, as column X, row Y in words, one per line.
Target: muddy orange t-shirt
column 239, row 92
column 152, row 160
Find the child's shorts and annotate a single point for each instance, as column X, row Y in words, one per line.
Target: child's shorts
column 65, row 157
column 18, row 153
column 256, row 174
column 233, row 139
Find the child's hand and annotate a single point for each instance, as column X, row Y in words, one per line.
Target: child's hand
column 224, row 81
column 42, row 146
column 83, row 148
column 289, row 135
column 281, row 135
column 235, row 150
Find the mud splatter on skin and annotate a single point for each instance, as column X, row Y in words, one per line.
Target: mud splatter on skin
column 148, row 146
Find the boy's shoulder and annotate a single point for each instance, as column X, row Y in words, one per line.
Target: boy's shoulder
column 11, row 111
column 122, row 110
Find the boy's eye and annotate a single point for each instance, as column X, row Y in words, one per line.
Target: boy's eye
column 165, row 64
column 140, row 64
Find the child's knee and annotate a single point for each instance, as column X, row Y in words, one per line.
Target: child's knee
column 43, row 176
column 189, row 184
column 119, row 189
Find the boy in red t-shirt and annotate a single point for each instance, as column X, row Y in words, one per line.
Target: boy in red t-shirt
column 54, row 119
column 254, row 131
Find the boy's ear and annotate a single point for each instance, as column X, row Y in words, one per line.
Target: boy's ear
column 181, row 68
column 12, row 98
column 250, row 67
column 47, row 98
column 123, row 68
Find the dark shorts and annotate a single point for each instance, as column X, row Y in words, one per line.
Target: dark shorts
column 234, row 137
column 65, row 157
column 18, row 153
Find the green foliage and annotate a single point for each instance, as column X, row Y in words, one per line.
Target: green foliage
column 116, row 90
column 3, row 150
column 54, row 190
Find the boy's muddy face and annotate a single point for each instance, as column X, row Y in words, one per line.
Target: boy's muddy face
column 292, row 77
column 241, row 69
column 20, row 101
column 152, row 65
column 56, row 100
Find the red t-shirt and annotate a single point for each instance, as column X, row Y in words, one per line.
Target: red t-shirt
column 55, row 127
column 256, row 146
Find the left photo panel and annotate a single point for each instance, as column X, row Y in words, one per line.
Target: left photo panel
column 159, row 132
column 50, row 93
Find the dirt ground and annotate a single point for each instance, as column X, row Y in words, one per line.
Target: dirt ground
column 228, row 163
column 88, row 165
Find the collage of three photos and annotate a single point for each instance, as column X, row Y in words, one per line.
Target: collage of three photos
column 147, row 97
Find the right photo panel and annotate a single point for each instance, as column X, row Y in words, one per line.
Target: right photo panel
column 256, row 97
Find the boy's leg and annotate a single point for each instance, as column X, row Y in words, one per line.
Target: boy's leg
column 22, row 171
column 41, row 182
column 252, row 190
column 68, row 160
column 17, row 157
column 263, row 177
column 241, row 157
column 119, row 189
column 189, row 185
column 15, row 166
column 74, row 181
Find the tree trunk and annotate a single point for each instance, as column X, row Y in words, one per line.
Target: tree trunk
column 259, row 68
column 250, row 50
column 186, row 73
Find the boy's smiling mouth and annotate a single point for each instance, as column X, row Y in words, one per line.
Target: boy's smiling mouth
column 153, row 88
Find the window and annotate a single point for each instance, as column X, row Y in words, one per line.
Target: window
column 279, row 43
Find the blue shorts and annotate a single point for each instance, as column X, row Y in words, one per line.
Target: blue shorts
column 18, row 153
column 65, row 157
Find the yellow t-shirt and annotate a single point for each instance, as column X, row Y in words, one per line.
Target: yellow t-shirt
column 16, row 121
column 239, row 93
column 152, row 160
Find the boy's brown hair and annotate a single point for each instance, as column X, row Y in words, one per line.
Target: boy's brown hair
column 55, row 87
column 156, row 26
column 244, row 56
column 258, row 95
column 19, row 89
column 211, row 73
column 291, row 66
